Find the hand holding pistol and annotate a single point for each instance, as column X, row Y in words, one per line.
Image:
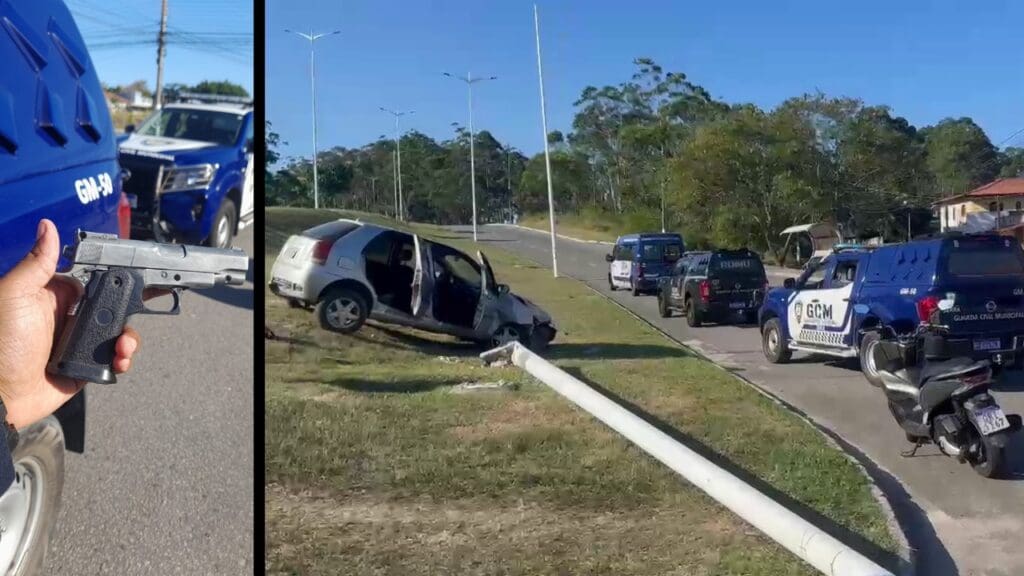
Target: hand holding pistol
column 114, row 273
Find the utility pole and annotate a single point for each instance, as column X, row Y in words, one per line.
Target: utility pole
column 508, row 179
column 373, row 185
column 312, row 89
column 547, row 156
column 469, row 80
column 398, row 159
column 158, row 100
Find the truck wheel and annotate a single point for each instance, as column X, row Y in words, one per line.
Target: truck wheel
column 775, row 348
column 30, row 506
column 663, row 308
column 693, row 316
column 867, row 359
column 611, row 285
column 342, row 310
column 635, row 286
column 223, row 228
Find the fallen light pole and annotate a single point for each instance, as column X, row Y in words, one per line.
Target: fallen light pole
column 808, row 542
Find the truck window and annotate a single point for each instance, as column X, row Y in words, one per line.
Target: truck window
column 985, row 259
column 844, row 274
column 330, row 230
column 623, row 252
column 736, row 265
column 814, row 279
column 655, row 251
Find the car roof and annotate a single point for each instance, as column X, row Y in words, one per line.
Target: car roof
column 649, row 236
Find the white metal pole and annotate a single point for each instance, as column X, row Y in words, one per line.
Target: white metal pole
column 472, row 157
column 398, row 167
column 394, row 178
column 808, row 542
column 547, row 155
column 312, row 89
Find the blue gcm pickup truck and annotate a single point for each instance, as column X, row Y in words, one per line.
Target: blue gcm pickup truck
column 58, row 160
column 190, row 170
column 842, row 305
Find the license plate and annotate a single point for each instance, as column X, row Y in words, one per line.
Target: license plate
column 988, row 344
column 990, row 419
column 737, row 305
column 133, row 200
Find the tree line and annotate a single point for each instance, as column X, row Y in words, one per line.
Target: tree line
column 728, row 174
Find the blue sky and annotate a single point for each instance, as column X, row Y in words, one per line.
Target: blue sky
column 216, row 38
column 927, row 60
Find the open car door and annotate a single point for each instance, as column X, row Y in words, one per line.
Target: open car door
column 422, row 280
column 485, row 308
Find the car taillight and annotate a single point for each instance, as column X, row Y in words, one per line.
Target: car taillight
column 926, row 307
column 705, row 290
column 124, row 217
column 320, row 251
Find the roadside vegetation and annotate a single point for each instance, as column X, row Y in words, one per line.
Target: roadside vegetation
column 731, row 174
column 377, row 464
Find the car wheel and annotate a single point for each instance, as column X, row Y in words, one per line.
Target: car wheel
column 223, row 226
column 611, row 285
column 29, row 508
column 541, row 336
column 509, row 333
column 693, row 316
column 867, row 358
column 663, row 308
column 342, row 310
column 636, row 288
column 775, row 348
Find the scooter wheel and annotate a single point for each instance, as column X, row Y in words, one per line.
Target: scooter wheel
column 988, row 460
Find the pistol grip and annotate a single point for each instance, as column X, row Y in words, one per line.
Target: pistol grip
column 85, row 350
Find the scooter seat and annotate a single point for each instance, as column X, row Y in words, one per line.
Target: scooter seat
column 918, row 376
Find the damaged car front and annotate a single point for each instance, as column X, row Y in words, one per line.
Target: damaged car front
column 515, row 317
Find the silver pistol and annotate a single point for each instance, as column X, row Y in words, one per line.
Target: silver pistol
column 114, row 273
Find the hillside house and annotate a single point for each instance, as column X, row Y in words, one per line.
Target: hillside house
column 998, row 205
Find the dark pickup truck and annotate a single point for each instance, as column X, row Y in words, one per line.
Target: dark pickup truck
column 718, row 285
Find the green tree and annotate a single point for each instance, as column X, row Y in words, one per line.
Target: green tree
column 273, row 140
column 960, row 155
column 1012, row 163
column 223, row 87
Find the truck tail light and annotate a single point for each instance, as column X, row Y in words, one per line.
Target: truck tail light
column 705, row 290
column 320, row 251
column 926, row 307
column 124, row 217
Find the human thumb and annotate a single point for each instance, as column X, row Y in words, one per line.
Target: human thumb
column 40, row 264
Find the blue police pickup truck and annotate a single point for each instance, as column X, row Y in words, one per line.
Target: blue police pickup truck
column 189, row 170
column 844, row 304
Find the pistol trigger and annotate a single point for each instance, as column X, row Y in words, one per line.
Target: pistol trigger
column 174, row 311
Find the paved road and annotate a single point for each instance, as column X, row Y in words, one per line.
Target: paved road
column 165, row 486
column 978, row 522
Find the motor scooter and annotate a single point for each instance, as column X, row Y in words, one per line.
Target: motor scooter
column 938, row 398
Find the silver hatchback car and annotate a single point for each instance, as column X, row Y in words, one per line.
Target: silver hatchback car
column 351, row 271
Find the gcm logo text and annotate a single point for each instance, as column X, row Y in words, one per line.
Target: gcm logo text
column 90, row 189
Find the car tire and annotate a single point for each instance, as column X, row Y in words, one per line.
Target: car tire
column 541, row 336
column 774, row 346
column 867, row 362
column 507, row 333
column 635, row 287
column 342, row 310
column 663, row 308
column 693, row 316
column 39, row 484
column 223, row 229
column 611, row 285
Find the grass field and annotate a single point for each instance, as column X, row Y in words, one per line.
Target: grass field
column 375, row 465
column 580, row 227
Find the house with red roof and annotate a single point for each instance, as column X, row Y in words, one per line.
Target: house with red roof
column 998, row 205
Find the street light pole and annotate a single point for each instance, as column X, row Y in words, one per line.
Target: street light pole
column 312, row 89
column 469, row 80
column 547, row 156
column 373, row 194
column 398, row 158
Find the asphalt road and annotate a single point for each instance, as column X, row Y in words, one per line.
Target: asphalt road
column 959, row 522
column 166, row 482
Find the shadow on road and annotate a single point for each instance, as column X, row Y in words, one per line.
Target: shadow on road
column 931, row 555
column 239, row 297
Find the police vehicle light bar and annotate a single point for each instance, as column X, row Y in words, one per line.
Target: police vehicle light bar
column 193, row 96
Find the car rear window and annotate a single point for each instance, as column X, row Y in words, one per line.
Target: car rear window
column 989, row 258
column 331, row 230
column 661, row 250
column 737, row 265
